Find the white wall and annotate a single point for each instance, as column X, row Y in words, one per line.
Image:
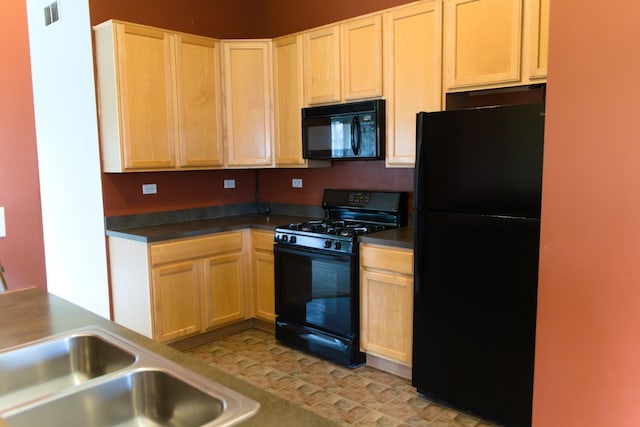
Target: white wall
column 68, row 154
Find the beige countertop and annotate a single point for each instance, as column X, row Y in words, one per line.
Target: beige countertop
column 31, row 314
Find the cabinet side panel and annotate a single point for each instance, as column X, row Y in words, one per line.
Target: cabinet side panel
column 108, row 99
column 129, row 272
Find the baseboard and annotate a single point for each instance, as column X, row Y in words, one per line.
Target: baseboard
column 394, row 368
column 225, row 331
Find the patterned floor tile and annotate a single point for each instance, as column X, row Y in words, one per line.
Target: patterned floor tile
column 360, row 397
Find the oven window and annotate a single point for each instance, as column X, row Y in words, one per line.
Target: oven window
column 316, row 289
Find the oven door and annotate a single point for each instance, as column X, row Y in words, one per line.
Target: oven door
column 317, row 288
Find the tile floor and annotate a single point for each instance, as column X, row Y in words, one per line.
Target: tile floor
column 361, row 397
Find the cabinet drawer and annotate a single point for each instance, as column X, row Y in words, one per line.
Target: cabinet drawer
column 386, row 258
column 196, row 248
column 262, row 240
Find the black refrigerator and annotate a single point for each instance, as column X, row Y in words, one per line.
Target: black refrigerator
column 476, row 223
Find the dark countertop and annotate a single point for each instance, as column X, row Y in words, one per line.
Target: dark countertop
column 31, row 314
column 401, row 237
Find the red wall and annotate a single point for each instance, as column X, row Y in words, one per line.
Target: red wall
column 22, row 251
column 180, row 190
column 280, row 17
column 587, row 369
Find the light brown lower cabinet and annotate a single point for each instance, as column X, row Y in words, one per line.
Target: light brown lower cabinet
column 263, row 275
column 178, row 288
column 386, row 303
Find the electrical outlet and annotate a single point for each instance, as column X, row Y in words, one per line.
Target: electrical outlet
column 149, row 188
column 296, row 183
column 229, row 183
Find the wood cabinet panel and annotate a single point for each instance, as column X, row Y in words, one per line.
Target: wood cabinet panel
column 538, row 19
column 247, row 101
column 263, row 275
column 413, row 77
column 159, row 99
column 223, row 289
column 176, row 300
column 198, row 102
column 196, row 247
column 483, row 42
column 386, row 302
column 288, row 97
column 322, row 65
column 362, row 58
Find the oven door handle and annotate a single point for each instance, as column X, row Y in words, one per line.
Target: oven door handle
column 298, row 250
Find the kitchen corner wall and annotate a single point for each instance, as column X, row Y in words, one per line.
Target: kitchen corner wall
column 22, row 251
column 587, row 370
column 239, row 19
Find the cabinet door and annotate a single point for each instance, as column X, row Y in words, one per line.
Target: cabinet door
column 264, row 289
column 483, row 42
column 247, row 102
column 287, row 66
column 198, row 101
column 176, row 300
column 322, row 65
column 413, row 79
column 223, row 289
column 362, row 58
column 145, row 91
column 538, row 18
column 386, row 321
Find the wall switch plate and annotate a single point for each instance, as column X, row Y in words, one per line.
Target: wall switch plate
column 229, row 183
column 149, row 188
column 3, row 227
column 296, row 183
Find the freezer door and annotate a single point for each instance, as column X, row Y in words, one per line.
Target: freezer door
column 475, row 312
column 486, row 160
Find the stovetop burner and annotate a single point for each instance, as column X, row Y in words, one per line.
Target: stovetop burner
column 336, row 227
column 348, row 214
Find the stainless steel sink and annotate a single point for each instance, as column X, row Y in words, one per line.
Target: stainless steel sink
column 37, row 370
column 93, row 378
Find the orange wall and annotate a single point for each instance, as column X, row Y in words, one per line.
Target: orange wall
column 22, row 251
column 587, row 369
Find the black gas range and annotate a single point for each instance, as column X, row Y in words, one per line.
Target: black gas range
column 317, row 272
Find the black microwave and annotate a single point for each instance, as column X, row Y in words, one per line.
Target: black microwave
column 352, row 131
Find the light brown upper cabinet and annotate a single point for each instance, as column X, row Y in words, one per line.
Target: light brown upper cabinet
column 198, row 102
column 287, row 79
column 343, row 62
column 537, row 17
column 413, row 77
column 247, row 100
column 362, row 58
column 322, row 65
column 154, row 113
column 288, row 103
column 491, row 43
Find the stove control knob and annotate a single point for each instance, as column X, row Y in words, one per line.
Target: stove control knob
column 327, row 244
column 284, row 238
column 292, row 239
column 337, row 245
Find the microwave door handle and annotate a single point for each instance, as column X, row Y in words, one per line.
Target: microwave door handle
column 355, row 135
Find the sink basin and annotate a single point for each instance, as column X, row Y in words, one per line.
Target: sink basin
column 91, row 377
column 40, row 369
column 139, row 398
